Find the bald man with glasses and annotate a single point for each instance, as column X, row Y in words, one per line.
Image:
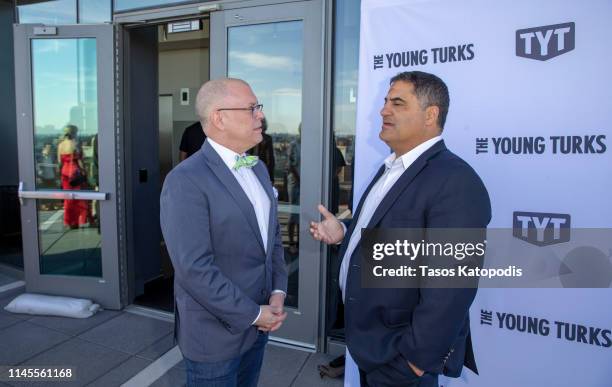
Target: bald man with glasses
column 219, row 220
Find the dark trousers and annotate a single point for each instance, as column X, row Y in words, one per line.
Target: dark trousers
column 242, row 371
column 427, row 380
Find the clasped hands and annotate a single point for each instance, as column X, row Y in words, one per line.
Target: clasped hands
column 272, row 316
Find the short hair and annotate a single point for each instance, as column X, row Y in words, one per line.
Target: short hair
column 429, row 90
column 210, row 94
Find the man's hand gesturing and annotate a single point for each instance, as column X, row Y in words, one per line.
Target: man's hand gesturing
column 329, row 230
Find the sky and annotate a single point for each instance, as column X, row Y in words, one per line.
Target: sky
column 64, row 78
column 269, row 57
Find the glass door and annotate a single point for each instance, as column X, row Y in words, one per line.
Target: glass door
column 66, row 139
column 278, row 50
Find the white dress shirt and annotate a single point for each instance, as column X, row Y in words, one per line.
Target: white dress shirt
column 250, row 185
column 395, row 167
column 253, row 190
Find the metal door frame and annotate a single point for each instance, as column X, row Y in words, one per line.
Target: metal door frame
column 302, row 324
column 105, row 290
column 322, row 12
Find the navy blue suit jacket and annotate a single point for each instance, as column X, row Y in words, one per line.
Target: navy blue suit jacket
column 428, row 327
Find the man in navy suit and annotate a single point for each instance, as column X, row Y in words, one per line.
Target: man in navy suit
column 407, row 337
column 219, row 220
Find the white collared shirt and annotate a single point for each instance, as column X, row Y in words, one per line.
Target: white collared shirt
column 253, row 190
column 250, row 185
column 395, row 167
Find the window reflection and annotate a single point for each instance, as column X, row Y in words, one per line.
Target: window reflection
column 48, row 12
column 124, row 5
column 269, row 57
column 64, row 76
column 56, row 12
column 65, row 98
column 77, row 213
column 346, row 62
column 64, row 250
column 94, row 11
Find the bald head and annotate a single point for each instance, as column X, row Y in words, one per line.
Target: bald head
column 212, row 95
column 227, row 112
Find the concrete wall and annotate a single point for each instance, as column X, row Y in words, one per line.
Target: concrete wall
column 182, row 68
column 178, row 69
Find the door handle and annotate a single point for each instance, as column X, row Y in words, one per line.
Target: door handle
column 59, row 194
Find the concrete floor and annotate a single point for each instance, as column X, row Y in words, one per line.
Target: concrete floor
column 110, row 348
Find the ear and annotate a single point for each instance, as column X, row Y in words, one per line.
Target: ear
column 216, row 118
column 431, row 115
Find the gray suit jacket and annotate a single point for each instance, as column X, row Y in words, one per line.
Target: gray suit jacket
column 222, row 272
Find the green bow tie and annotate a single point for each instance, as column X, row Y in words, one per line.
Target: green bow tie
column 245, row 161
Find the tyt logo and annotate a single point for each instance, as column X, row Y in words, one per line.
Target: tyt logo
column 541, row 229
column 546, row 42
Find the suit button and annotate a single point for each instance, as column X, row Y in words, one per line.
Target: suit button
column 351, row 299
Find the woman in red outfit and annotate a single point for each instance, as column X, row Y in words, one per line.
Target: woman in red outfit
column 76, row 212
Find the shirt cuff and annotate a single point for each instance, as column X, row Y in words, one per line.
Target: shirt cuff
column 257, row 318
column 343, row 228
column 279, row 291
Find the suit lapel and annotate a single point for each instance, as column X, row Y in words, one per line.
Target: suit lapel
column 259, row 171
column 226, row 177
column 351, row 228
column 403, row 182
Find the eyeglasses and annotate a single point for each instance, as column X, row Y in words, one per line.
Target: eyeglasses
column 254, row 109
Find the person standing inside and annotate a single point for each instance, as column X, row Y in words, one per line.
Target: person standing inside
column 219, row 221
column 191, row 141
column 407, row 337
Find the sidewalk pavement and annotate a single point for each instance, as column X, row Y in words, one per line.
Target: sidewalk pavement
column 116, row 347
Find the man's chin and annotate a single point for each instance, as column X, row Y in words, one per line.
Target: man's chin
column 387, row 140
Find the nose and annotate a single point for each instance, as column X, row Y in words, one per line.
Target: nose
column 259, row 115
column 385, row 111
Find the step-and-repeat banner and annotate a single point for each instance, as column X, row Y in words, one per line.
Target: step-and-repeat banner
column 531, row 110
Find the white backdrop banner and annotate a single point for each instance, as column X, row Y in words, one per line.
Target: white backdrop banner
column 531, row 92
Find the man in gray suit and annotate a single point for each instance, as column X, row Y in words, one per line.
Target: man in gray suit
column 219, row 220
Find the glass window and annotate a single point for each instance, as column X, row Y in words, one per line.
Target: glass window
column 344, row 109
column 57, row 12
column 94, row 11
column 125, row 5
column 65, row 99
column 68, row 249
column 269, row 57
column 48, row 12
